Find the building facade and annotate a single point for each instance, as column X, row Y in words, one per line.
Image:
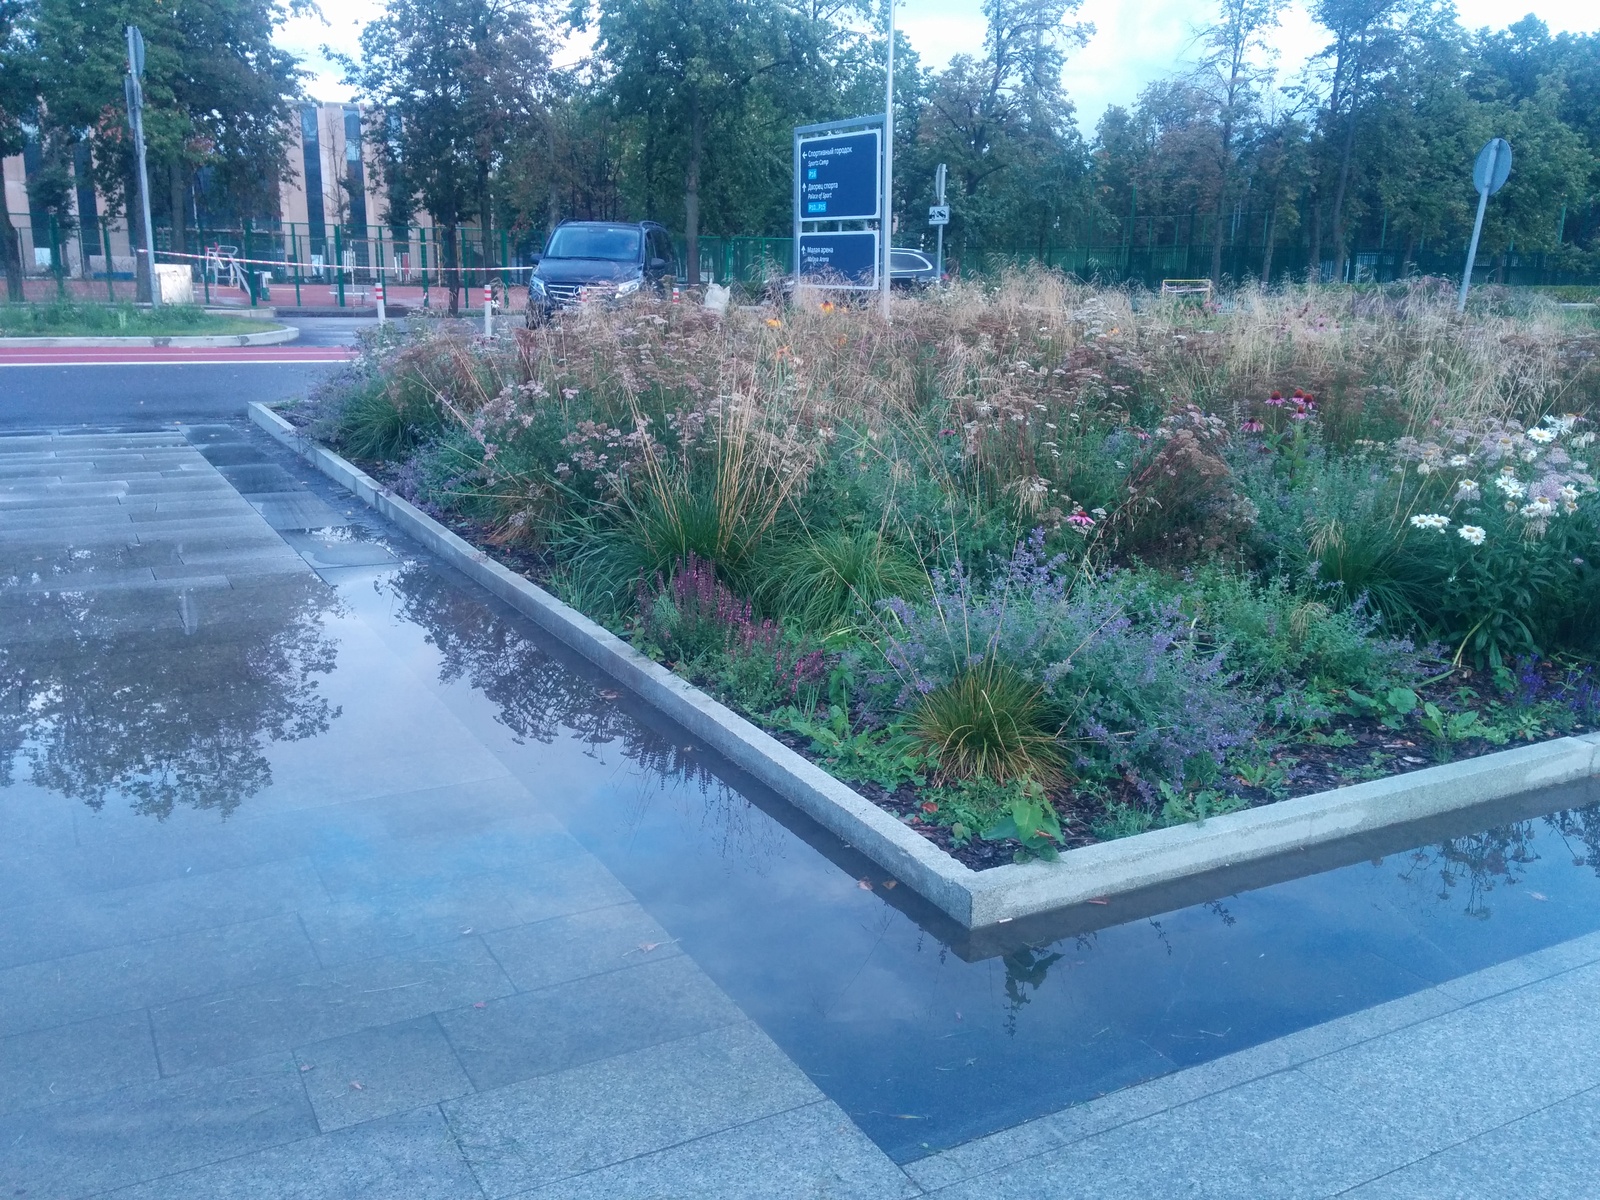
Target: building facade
column 330, row 209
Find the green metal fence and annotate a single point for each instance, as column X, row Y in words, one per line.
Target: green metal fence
column 340, row 264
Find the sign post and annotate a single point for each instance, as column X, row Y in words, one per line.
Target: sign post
column 133, row 89
column 887, row 224
column 1489, row 175
column 838, row 182
column 939, row 214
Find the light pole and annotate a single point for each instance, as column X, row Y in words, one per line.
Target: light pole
column 888, row 165
column 135, row 94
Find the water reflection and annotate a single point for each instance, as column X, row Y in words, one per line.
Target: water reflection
column 927, row 1034
column 101, row 706
column 539, row 697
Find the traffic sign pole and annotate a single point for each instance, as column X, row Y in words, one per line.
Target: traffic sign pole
column 938, row 189
column 1489, row 175
column 135, row 93
column 888, row 166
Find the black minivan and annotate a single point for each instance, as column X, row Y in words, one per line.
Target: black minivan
column 599, row 260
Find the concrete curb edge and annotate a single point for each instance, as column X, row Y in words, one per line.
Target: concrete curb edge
column 977, row 899
column 210, row 341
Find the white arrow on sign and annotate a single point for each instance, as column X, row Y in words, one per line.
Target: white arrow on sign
column 939, row 214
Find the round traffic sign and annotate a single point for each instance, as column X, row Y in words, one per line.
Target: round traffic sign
column 1493, row 166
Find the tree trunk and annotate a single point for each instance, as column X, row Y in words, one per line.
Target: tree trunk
column 486, row 220
column 1314, row 273
column 11, row 252
column 1269, row 239
column 691, row 191
column 1216, row 239
column 1405, row 259
column 176, row 192
column 451, row 263
column 1340, row 253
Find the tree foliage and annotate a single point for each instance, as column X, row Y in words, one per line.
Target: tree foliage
column 682, row 112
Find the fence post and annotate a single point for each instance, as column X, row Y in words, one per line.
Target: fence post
column 422, row 256
column 294, row 252
column 111, row 286
column 55, row 258
column 505, row 279
column 338, row 261
column 461, row 269
column 249, row 273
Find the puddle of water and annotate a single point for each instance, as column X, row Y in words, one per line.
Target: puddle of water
column 870, row 991
column 926, row 1036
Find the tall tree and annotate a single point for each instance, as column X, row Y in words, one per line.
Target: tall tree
column 18, row 96
column 1004, row 124
column 687, row 63
column 1231, row 73
column 450, row 81
column 1364, row 46
column 218, row 96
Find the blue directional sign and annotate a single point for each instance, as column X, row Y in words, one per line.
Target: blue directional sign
column 840, row 177
column 845, row 260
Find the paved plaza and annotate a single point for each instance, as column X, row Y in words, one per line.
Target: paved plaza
column 293, row 904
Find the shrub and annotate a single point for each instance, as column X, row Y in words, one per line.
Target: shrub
column 1134, row 689
column 695, row 620
column 1280, row 637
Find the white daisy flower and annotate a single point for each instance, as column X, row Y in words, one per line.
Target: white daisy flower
column 1431, row 521
column 1543, row 436
column 1511, row 486
column 1472, row 534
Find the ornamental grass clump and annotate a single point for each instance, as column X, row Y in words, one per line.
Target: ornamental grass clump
column 990, row 722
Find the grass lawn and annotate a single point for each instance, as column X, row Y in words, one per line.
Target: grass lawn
column 1041, row 564
column 120, row 320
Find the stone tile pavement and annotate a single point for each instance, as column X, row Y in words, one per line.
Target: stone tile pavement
column 367, row 962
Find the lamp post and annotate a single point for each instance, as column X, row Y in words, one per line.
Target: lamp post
column 133, row 89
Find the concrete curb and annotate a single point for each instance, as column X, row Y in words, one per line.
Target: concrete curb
column 978, row 899
column 271, row 337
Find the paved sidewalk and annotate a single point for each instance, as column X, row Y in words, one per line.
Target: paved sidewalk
column 389, row 973
column 276, row 922
column 1485, row 1086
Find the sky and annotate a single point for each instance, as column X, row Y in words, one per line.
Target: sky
column 1135, row 41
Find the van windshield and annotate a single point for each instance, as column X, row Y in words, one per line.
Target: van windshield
column 616, row 243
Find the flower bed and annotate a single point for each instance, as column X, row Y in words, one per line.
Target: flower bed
column 986, row 568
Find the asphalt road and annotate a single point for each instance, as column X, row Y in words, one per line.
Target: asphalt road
column 147, row 395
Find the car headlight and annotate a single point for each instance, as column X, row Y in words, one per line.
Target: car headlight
column 628, row 287
column 535, row 286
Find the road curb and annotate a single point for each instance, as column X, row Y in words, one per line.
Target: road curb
column 978, row 899
column 211, row 341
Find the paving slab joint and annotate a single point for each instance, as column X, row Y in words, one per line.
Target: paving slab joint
column 1001, row 894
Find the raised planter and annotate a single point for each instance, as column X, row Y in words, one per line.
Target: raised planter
column 977, row 899
column 207, row 341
